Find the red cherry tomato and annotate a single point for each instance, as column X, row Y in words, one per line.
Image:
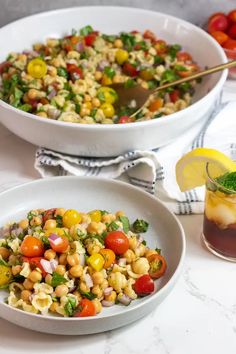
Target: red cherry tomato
column 183, row 56
column 232, row 16
column 61, row 245
column 32, row 247
column 217, row 22
column 232, row 31
column 220, row 37
column 144, row 285
column 34, row 262
column 117, row 242
column 90, row 39
column 86, row 308
column 161, row 46
column 129, row 69
column 4, row 65
column 125, row 119
column 157, row 265
column 149, row 35
column 174, row 95
column 74, row 71
column 48, row 214
column 230, row 44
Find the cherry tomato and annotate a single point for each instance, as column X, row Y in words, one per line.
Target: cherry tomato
column 4, row 66
column 217, row 22
column 109, row 257
column 125, row 119
column 155, row 105
column 61, row 245
column 74, row 71
column 74, row 39
column 220, row 37
column 86, row 308
column 144, row 285
column 230, row 44
column 71, row 217
column 5, row 275
column 48, row 214
column 174, row 95
column 161, row 46
column 149, row 35
column 232, row 31
column 157, row 265
column 90, row 39
column 37, row 68
column 32, row 247
column 117, row 242
column 68, row 47
column 183, row 56
column 34, row 262
column 146, row 74
column 232, row 16
column 190, row 69
column 129, row 69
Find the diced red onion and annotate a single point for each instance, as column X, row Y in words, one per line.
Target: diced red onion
column 107, row 303
column 125, row 300
column 82, row 259
column 54, row 239
column 46, row 266
column 101, row 66
column 79, row 47
column 108, row 291
column 88, row 280
column 52, row 93
column 122, row 262
column 54, row 264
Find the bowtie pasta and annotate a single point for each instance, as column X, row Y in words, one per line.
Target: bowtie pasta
column 68, row 79
column 73, row 264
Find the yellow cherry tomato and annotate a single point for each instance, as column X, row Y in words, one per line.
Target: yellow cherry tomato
column 56, row 230
column 121, row 56
column 106, row 80
column 5, row 274
column 107, row 95
column 96, row 261
column 71, row 217
column 108, row 110
column 37, row 68
column 146, row 74
column 95, row 215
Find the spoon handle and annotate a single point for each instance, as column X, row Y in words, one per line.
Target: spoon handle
column 197, row 75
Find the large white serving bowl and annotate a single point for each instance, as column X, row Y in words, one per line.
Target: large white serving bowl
column 111, row 140
column 86, row 194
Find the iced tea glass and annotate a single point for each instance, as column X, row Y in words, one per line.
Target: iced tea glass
column 219, row 226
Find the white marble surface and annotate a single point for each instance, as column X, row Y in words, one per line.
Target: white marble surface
column 199, row 316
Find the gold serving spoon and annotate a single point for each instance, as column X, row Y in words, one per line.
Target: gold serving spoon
column 141, row 95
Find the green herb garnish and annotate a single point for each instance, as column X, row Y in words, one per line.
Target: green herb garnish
column 88, row 295
column 125, row 223
column 70, row 306
column 62, row 72
column 109, row 72
column 140, row 226
column 86, row 30
column 57, row 279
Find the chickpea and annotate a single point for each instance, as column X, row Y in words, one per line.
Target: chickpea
column 140, row 250
column 76, row 271
column 42, row 114
column 140, row 266
column 129, row 256
column 111, row 296
column 84, row 111
column 98, row 75
column 61, row 290
column 33, row 94
column 104, row 284
column 36, row 221
column 54, row 306
column 87, row 105
column 28, row 284
column 73, row 259
column 16, row 269
column 24, row 224
column 118, row 43
column 48, row 279
column 97, row 278
column 52, row 71
column 97, row 291
column 60, row 211
column 78, row 295
column 25, row 295
column 63, row 258
column 96, row 227
column 108, row 218
column 35, row 276
column 4, row 252
column 50, row 254
column 83, row 287
column 98, row 305
column 60, row 269
column 120, row 213
column 96, row 102
column 87, row 98
column 50, row 224
column 149, row 252
column 12, row 259
column 92, row 248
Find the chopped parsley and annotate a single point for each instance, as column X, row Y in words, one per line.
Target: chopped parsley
column 57, row 279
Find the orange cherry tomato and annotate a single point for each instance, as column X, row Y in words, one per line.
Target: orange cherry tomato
column 161, row 46
column 156, row 104
column 157, row 265
column 183, row 56
column 32, row 247
column 218, row 22
column 220, row 37
column 74, row 39
column 109, row 257
column 86, row 309
column 232, row 16
column 230, row 44
column 117, row 241
column 61, row 246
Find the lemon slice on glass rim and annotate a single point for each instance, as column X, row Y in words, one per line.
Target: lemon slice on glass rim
column 191, row 168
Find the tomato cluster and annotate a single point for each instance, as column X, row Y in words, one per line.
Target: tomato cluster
column 223, row 28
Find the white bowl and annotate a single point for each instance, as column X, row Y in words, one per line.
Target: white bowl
column 86, row 194
column 111, row 140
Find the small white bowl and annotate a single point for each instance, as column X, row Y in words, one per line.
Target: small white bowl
column 86, row 194
column 112, row 140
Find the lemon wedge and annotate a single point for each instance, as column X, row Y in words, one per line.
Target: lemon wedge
column 191, row 168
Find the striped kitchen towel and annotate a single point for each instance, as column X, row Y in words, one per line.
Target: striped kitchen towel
column 153, row 171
